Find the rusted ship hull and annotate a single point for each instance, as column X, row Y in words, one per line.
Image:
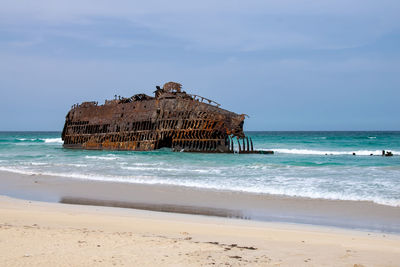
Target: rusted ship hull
column 171, row 119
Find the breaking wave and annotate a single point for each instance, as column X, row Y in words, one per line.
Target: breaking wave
column 327, row 152
column 52, row 140
column 102, row 157
column 39, row 140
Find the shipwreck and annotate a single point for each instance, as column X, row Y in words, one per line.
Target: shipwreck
column 171, row 118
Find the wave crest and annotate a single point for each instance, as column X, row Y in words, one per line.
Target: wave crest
column 52, row 140
column 327, row 152
column 39, row 140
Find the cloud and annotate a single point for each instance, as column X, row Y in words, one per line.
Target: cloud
column 279, row 61
column 25, row 43
column 221, row 25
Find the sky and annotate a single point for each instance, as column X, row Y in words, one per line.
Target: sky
column 289, row 65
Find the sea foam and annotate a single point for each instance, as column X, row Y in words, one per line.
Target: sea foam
column 101, row 157
column 52, row 140
column 330, row 152
column 40, row 140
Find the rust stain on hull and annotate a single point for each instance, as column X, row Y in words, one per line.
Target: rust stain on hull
column 172, row 118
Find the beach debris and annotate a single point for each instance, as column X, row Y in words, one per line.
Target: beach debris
column 249, row 248
column 235, row 257
column 230, row 246
column 171, row 118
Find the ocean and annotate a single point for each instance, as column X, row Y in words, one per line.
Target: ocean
column 305, row 164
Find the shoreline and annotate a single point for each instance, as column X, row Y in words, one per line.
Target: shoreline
column 361, row 215
column 43, row 233
column 193, row 187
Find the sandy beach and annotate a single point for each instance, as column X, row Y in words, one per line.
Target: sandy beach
column 59, row 232
column 52, row 234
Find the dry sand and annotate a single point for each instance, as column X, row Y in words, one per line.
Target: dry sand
column 52, row 234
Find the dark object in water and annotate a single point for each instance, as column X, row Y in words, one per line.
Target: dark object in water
column 266, row 152
column 387, row 153
column 354, row 153
column 172, row 118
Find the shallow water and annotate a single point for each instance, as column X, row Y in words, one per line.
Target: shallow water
column 306, row 164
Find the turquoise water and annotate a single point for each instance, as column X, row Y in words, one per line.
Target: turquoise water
column 307, row 164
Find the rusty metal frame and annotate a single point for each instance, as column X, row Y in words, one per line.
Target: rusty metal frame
column 172, row 118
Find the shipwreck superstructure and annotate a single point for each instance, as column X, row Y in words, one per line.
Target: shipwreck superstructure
column 172, row 118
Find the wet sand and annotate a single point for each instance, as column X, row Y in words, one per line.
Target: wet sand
column 338, row 213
